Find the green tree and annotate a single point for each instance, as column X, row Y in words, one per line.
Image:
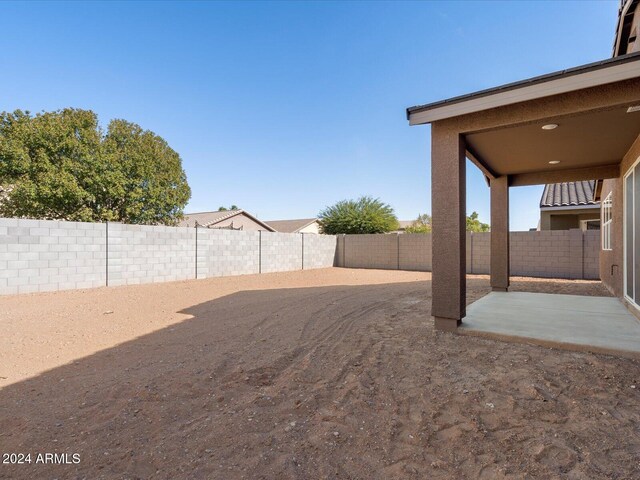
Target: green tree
column 475, row 225
column 421, row 225
column 61, row 165
column 364, row 215
column 225, row 209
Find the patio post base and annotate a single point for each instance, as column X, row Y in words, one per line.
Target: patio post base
column 499, row 289
column 447, row 324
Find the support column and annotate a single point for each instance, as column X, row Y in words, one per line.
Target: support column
column 500, row 234
column 448, row 212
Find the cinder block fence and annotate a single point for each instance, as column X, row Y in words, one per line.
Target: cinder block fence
column 44, row 255
column 552, row 254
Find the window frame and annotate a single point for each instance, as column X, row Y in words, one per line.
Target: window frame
column 606, row 219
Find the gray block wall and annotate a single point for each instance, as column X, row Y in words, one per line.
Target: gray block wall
column 340, row 251
column 319, row 251
column 542, row 254
column 149, row 254
column 592, row 241
column 479, row 253
column 227, row 252
column 281, row 252
column 43, row 255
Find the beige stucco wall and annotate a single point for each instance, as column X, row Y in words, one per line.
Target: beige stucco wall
column 313, row 228
column 566, row 219
column 611, row 262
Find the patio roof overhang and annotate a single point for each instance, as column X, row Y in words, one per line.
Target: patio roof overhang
column 595, row 120
column 502, row 127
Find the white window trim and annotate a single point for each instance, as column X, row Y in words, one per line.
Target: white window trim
column 606, row 221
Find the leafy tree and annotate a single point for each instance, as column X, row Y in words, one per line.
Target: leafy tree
column 364, row 215
column 61, row 165
column 225, row 209
column 421, row 225
column 475, row 225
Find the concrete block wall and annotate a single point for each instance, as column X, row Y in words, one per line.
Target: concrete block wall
column 415, row 252
column 371, row 251
column 551, row 254
column 340, row 260
column 281, row 252
column 319, row 251
column 479, row 260
column 591, row 259
column 227, row 252
column 543, row 254
column 43, row 255
column 149, row 254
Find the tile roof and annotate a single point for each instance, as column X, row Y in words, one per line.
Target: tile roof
column 569, row 194
column 290, row 226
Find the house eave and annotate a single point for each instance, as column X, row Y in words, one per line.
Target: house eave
column 570, row 207
column 612, row 70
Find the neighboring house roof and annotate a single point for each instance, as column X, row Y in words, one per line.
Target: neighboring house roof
column 291, row 226
column 209, row 219
column 569, row 194
column 402, row 224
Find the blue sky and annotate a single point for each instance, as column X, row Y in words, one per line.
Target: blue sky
column 285, row 108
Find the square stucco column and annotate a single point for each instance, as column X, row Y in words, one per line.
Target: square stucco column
column 448, row 212
column 500, row 234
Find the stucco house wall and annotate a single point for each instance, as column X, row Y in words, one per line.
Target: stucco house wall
column 559, row 220
column 313, row 228
column 612, row 261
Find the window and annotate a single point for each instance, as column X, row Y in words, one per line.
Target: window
column 606, row 223
column 590, row 225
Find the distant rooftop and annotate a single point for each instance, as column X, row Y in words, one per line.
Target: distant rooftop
column 208, row 219
column 290, row 226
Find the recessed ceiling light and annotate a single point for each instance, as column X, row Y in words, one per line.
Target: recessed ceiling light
column 554, row 162
column 550, row 126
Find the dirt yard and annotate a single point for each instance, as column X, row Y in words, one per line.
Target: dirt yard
column 332, row 373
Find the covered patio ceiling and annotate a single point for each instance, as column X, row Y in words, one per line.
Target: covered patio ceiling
column 592, row 139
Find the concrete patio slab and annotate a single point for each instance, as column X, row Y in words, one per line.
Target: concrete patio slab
column 596, row 324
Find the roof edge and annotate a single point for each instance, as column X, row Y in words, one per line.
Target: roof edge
column 234, row 213
column 305, row 225
column 549, row 77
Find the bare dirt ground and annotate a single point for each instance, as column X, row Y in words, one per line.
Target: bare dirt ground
column 330, row 373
